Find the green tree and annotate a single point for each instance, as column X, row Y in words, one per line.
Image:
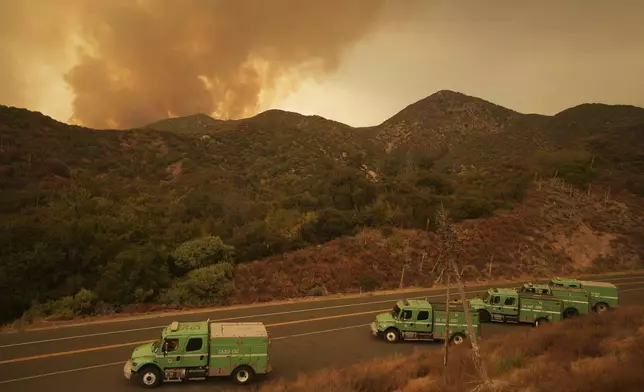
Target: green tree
column 202, row 252
column 330, row 224
column 136, row 274
column 349, row 190
column 203, row 286
column 574, row 166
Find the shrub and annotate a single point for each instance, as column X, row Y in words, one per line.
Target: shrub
column 571, row 165
column 317, row 291
column 202, row 252
column 136, row 274
column 83, row 303
column 329, row 224
column 369, row 283
column 439, row 184
column 203, row 286
column 473, row 208
column 57, row 167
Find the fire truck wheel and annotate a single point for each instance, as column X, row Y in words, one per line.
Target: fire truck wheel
column 484, row 316
column 243, row 375
column 541, row 321
column 150, row 377
column 601, row 307
column 457, row 338
column 571, row 312
column 392, row 335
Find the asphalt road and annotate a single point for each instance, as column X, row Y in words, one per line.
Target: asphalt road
column 306, row 336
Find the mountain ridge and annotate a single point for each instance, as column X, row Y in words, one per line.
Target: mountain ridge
column 438, row 98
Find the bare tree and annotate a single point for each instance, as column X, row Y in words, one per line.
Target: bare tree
column 450, row 240
column 446, row 343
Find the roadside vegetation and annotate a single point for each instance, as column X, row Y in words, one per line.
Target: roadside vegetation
column 597, row 352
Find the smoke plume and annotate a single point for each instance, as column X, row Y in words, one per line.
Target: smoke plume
column 141, row 60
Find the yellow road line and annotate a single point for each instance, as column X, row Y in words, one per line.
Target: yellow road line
column 79, row 351
column 327, row 318
column 119, row 345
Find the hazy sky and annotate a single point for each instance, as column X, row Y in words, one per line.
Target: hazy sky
column 122, row 63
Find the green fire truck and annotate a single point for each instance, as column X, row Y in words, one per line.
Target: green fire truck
column 198, row 350
column 603, row 295
column 414, row 319
column 511, row 306
column 575, row 301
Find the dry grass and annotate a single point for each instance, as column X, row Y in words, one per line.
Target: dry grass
column 592, row 353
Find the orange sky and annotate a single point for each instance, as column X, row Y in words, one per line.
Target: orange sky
column 123, row 63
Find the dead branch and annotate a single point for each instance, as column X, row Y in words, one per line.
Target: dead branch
column 439, row 277
column 446, row 342
column 450, row 248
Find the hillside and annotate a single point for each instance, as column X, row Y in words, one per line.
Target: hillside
column 84, row 197
column 268, row 206
column 601, row 355
column 555, row 231
column 443, row 120
column 195, row 124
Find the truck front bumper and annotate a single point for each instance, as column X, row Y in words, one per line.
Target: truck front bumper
column 127, row 369
column 374, row 330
